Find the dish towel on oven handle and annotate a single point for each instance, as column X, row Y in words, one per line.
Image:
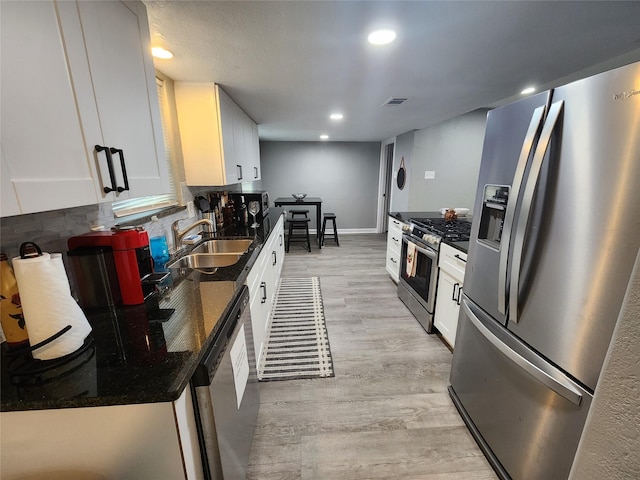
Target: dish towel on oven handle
column 48, row 306
column 411, row 260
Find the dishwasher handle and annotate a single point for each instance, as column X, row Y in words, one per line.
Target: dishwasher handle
column 208, row 364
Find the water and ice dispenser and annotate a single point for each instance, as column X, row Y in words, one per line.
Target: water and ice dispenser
column 494, row 206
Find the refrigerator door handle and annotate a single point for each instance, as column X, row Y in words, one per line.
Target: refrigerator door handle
column 525, row 153
column 563, row 389
column 527, row 201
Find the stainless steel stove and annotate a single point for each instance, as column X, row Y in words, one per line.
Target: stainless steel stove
column 419, row 263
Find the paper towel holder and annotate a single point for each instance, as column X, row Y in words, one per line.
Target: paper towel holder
column 22, row 366
column 31, row 250
column 44, row 342
column 34, row 251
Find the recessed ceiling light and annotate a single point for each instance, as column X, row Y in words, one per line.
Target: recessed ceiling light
column 336, row 116
column 528, row 90
column 159, row 52
column 382, row 37
column 324, row 137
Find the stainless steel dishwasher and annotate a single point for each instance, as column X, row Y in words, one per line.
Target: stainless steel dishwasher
column 227, row 397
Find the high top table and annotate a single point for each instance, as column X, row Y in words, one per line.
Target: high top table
column 316, row 201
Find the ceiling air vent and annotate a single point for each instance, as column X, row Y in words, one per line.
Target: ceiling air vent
column 394, row 101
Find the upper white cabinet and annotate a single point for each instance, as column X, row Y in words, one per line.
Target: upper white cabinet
column 77, row 75
column 219, row 140
column 10, row 205
column 253, row 155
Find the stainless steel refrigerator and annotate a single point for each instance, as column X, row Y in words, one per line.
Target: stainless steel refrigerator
column 555, row 233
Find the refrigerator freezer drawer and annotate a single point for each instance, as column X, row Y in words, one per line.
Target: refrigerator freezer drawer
column 528, row 413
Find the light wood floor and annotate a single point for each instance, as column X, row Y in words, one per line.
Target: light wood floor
column 386, row 414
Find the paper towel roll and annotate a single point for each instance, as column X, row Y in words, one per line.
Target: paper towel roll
column 48, row 306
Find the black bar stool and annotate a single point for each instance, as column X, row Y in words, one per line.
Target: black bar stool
column 295, row 213
column 298, row 225
column 332, row 217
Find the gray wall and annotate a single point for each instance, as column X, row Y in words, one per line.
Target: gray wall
column 344, row 174
column 453, row 150
column 403, row 149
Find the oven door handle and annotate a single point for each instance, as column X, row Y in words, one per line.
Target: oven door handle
column 429, row 253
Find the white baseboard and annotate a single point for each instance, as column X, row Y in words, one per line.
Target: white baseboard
column 345, row 231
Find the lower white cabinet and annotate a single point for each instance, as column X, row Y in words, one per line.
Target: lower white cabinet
column 394, row 247
column 452, row 264
column 138, row 441
column 263, row 282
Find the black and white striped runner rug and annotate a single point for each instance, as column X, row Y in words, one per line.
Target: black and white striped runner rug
column 297, row 344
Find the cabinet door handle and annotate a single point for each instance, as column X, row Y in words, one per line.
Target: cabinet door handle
column 255, row 172
column 393, row 259
column 460, row 258
column 263, row 286
column 395, row 239
column 239, row 167
column 118, row 151
column 459, row 294
column 280, row 239
column 112, row 175
column 453, row 294
column 275, row 257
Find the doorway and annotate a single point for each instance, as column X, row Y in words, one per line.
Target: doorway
column 388, row 154
column 386, row 183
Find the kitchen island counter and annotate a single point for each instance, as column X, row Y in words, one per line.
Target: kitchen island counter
column 140, row 354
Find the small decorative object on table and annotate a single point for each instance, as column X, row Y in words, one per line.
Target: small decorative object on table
column 299, row 196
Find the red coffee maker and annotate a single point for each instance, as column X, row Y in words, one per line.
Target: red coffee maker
column 109, row 267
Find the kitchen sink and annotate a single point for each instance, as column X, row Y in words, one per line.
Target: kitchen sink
column 206, row 260
column 232, row 246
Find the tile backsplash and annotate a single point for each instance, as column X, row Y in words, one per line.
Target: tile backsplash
column 50, row 230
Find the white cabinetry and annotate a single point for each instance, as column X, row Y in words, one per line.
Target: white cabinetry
column 219, row 140
column 253, row 154
column 452, row 264
column 77, row 75
column 263, row 283
column 152, row 440
column 394, row 247
column 10, row 204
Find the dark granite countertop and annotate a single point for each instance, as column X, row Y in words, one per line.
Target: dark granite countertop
column 462, row 246
column 145, row 353
column 406, row 216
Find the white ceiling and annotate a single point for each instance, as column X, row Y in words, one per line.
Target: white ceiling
column 289, row 64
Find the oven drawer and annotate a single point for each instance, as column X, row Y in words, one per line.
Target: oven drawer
column 453, row 261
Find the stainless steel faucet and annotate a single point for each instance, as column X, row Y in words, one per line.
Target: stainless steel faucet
column 178, row 234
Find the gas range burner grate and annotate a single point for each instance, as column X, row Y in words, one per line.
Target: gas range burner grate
column 454, row 231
